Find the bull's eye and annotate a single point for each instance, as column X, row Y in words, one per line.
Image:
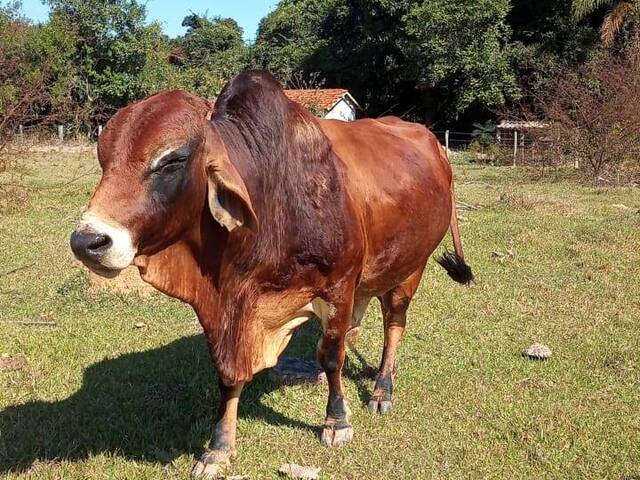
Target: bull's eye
column 171, row 165
column 169, row 177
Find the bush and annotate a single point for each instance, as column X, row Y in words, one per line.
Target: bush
column 25, row 82
column 490, row 154
column 594, row 117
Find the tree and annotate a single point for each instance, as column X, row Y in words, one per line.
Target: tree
column 209, row 54
column 362, row 48
column 99, row 55
column 460, row 53
column 112, row 47
column 594, row 117
column 546, row 41
column 34, row 71
column 208, row 37
column 427, row 59
column 30, row 69
column 620, row 14
column 290, row 35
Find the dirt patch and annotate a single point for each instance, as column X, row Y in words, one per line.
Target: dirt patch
column 14, row 196
column 10, row 363
column 128, row 281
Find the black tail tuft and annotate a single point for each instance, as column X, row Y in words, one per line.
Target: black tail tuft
column 456, row 267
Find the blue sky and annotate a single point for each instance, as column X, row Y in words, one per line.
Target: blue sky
column 171, row 12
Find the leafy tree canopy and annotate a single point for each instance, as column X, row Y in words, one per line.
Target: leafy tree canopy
column 113, row 44
column 435, row 57
column 290, row 34
column 210, row 53
column 443, row 62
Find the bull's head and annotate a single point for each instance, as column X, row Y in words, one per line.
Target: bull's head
column 162, row 161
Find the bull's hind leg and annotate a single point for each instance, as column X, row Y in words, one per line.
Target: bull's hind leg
column 394, row 310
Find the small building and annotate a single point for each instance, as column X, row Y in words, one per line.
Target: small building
column 331, row 103
column 510, row 131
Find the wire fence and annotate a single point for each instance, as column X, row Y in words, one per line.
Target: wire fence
column 504, row 147
column 454, row 140
column 56, row 133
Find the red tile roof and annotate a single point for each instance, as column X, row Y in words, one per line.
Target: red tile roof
column 324, row 98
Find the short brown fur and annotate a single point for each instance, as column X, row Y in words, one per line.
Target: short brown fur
column 335, row 211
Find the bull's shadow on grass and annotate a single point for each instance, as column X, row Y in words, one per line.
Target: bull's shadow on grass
column 153, row 405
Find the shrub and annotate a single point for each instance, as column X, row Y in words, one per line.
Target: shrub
column 594, row 117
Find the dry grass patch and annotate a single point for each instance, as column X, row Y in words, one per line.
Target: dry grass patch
column 519, row 201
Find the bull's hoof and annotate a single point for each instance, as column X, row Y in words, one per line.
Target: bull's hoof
column 382, row 398
column 377, row 405
column 211, row 465
column 332, row 437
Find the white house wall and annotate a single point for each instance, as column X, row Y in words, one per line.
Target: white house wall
column 342, row 111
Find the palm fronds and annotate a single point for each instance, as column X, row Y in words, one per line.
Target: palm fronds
column 582, row 8
column 615, row 20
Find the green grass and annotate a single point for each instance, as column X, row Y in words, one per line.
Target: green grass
column 101, row 399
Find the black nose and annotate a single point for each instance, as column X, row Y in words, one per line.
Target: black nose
column 89, row 246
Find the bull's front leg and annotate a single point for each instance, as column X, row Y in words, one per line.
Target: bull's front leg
column 336, row 321
column 222, row 446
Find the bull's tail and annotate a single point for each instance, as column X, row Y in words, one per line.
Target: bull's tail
column 453, row 262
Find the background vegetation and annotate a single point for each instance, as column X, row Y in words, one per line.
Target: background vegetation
column 442, row 62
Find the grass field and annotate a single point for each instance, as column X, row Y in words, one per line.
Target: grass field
column 98, row 398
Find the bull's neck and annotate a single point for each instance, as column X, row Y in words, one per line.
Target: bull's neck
column 189, row 269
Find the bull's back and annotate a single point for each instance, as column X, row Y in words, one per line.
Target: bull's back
column 399, row 183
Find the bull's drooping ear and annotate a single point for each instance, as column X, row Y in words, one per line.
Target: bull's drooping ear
column 228, row 197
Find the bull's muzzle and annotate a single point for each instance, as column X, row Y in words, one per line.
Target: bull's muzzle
column 104, row 247
column 89, row 246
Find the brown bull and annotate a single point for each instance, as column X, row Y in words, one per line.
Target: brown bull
column 262, row 217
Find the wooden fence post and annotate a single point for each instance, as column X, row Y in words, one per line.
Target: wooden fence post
column 515, row 146
column 61, row 133
column 446, row 141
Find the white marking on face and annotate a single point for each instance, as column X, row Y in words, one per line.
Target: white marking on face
column 121, row 253
column 157, row 159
